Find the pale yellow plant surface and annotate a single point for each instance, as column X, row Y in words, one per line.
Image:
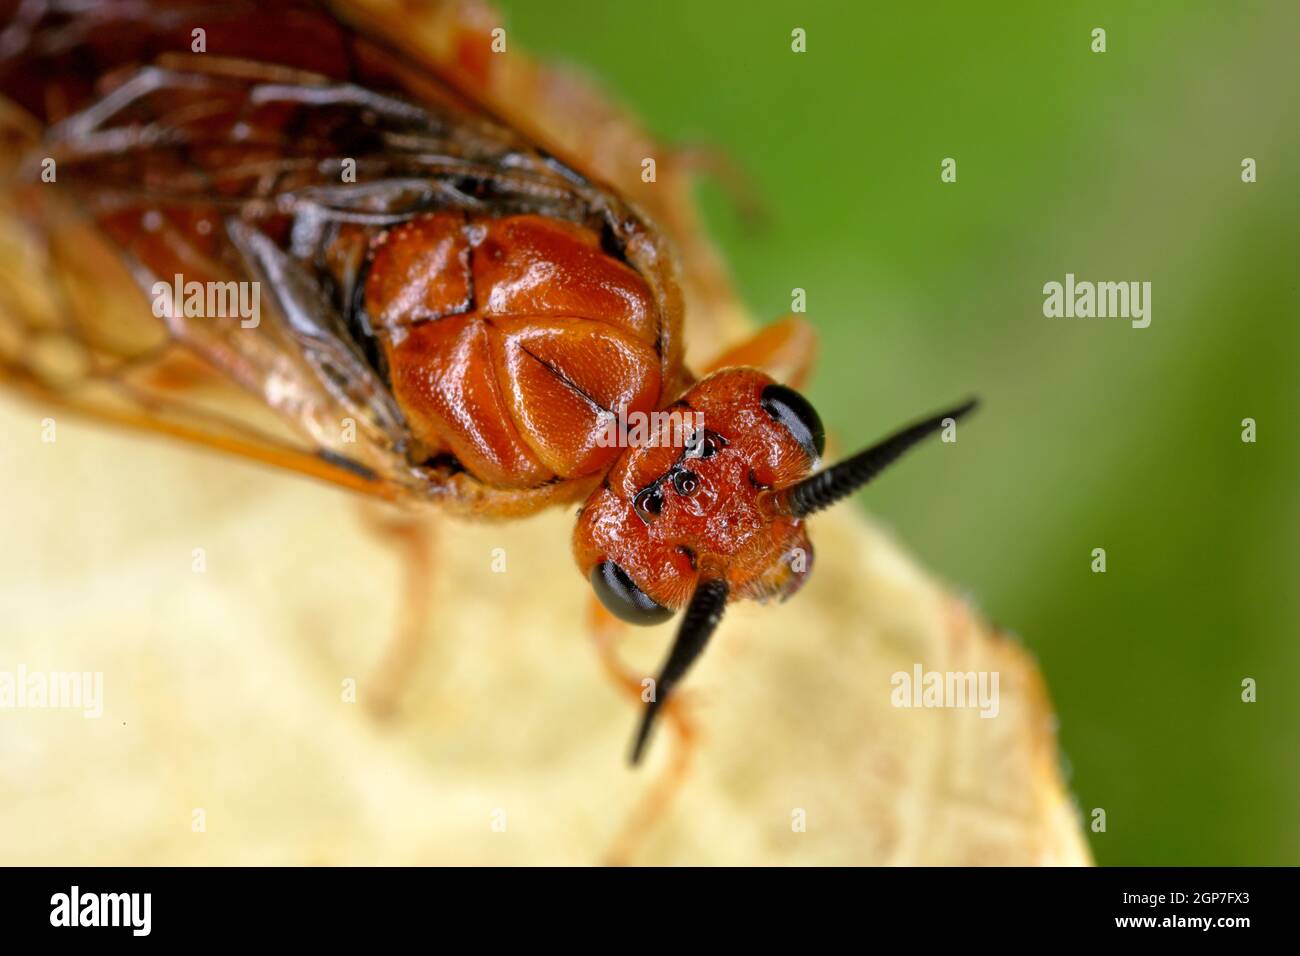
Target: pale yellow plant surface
column 225, row 689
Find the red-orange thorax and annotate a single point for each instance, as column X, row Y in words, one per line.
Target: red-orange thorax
column 509, row 341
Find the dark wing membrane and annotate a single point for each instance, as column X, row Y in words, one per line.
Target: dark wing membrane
column 138, row 166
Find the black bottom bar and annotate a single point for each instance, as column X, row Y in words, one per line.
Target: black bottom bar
column 336, row 905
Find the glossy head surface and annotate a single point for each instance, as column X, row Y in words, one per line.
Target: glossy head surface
column 670, row 511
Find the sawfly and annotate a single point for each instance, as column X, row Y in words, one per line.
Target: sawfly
column 277, row 230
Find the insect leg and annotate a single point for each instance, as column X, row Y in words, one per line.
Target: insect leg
column 719, row 166
column 654, row 803
column 411, row 537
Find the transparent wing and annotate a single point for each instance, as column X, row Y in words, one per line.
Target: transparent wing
column 187, row 228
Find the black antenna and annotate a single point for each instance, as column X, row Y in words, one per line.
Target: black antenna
column 841, row 480
column 701, row 620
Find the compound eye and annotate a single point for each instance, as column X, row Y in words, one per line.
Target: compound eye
column 623, row 598
column 792, row 410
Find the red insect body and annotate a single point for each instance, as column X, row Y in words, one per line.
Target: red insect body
column 478, row 309
column 720, row 518
column 507, row 339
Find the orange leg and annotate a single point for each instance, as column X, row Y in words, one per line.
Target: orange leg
column 785, row 350
column 719, row 166
column 411, row 537
column 658, row 797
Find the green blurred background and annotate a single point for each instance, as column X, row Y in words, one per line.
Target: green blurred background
column 1117, row 166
